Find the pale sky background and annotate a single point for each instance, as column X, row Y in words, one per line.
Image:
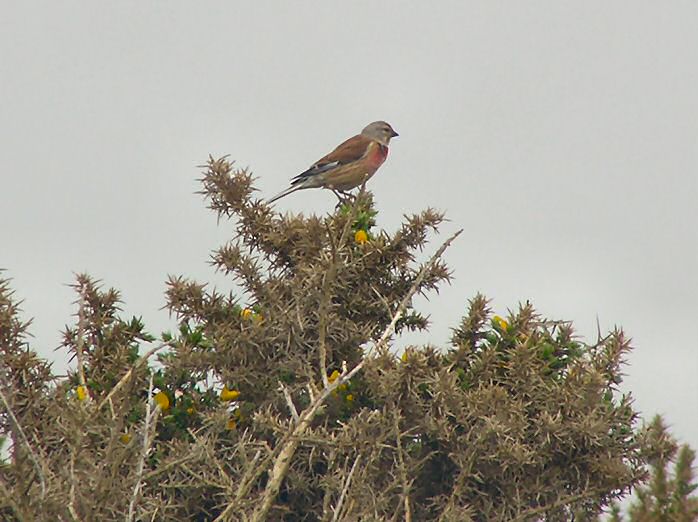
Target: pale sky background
column 562, row 135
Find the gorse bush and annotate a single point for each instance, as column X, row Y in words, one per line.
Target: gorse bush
column 288, row 401
column 664, row 497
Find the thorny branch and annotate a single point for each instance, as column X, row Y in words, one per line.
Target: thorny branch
column 80, row 342
column 283, row 460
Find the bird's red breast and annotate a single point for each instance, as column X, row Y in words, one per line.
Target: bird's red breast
column 376, row 154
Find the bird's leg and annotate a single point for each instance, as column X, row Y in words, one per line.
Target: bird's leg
column 339, row 199
column 342, row 196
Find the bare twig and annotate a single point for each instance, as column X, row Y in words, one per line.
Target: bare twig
column 79, row 344
column 347, row 483
column 150, row 418
column 71, row 504
column 289, row 401
column 311, row 392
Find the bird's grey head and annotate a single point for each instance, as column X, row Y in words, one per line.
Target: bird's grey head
column 379, row 131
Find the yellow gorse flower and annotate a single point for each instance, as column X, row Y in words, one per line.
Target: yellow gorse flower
column 125, row 438
column 501, row 322
column 162, row 400
column 360, row 237
column 350, row 397
column 231, row 424
column 333, row 376
column 229, row 395
column 248, row 313
column 81, row 393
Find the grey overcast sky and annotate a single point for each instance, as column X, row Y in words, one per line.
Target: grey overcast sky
column 562, row 135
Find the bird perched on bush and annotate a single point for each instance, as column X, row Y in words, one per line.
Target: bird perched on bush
column 349, row 165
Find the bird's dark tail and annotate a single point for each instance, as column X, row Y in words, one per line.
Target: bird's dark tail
column 285, row 193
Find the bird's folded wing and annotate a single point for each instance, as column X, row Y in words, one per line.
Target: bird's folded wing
column 351, row 150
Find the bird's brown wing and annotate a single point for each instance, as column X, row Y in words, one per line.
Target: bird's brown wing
column 351, row 150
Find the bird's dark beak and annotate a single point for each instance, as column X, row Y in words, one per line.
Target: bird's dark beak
column 393, row 134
